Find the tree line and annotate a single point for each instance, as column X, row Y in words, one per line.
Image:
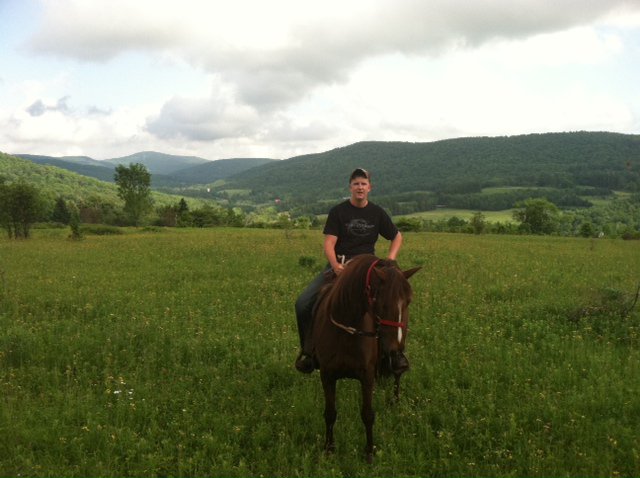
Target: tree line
column 22, row 205
column 540, row 216
column 534, row 213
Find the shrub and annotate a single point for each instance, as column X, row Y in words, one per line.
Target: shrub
column 307, row 261
column 409, row 224
column 101, row 230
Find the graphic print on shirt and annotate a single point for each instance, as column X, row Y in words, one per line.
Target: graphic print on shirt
column 359, row 227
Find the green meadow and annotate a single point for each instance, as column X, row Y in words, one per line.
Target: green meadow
column 466, row 214
column 170, row 353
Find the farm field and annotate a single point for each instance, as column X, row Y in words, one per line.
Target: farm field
column 466, row 214
column 171, row 353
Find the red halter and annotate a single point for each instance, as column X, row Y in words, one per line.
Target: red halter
column 372, row 299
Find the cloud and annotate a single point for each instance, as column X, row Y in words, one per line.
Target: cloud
column 284, row 128
column 297, row 75
column 99, row 31
column 204, row 119
column 97, row 111
column 277, row 54
column 61, row 131
column 38, row 108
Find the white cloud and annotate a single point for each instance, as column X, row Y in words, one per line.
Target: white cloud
column 290, row 77
column 277, row 52
column 205, row 119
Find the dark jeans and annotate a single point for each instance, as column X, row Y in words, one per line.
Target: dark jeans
column 304, row 307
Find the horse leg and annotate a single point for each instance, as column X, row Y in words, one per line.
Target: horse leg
column 368, row 415
column 330, row 413
column 396, row 387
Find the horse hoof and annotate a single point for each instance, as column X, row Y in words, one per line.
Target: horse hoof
column 370, row 455
column 329, row 449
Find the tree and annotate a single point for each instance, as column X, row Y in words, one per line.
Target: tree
column 96, row 210
column 134, row 188
column 406, row 224
column 74, row 224
column 455, row 224
column 167, row 216
column 586, row 230
column 478, row 222
column 5, row 218
column 20, row 206
column 538, row 216
column 182, row 206
column 61, row 212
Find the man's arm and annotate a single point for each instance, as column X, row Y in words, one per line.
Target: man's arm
column 330, row 252
column 394, row 247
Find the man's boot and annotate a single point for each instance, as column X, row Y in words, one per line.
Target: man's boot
column 305, row 363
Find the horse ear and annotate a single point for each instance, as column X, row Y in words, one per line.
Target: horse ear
column 380, row 273
column 410, row 272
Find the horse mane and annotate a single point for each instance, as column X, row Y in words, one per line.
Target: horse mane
column 346, row 298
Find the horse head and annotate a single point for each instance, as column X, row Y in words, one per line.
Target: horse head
column 390, row 296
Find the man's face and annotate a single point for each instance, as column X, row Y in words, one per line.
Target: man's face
column 360, row 188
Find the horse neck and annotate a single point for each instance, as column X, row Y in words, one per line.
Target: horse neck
column 349, row 299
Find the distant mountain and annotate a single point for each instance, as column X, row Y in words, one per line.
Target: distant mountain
column 78, row 164
column 184, row 173
column 212, row 171
column 159, row 163
column 85, row 160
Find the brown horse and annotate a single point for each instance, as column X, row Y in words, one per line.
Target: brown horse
column 359, row 319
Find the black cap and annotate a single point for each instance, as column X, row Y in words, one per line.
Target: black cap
column 359, row 173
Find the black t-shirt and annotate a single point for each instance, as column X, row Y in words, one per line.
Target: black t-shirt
column 357, row 228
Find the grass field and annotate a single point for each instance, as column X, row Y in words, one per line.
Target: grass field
column 171, row 353
column 466, row 214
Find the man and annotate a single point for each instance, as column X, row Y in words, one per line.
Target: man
column 352, row 228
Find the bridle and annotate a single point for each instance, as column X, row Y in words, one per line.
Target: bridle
column 371, row 299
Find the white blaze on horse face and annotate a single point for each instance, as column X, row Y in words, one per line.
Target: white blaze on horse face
column 400, row 321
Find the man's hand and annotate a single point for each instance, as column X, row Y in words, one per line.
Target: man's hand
column 392, row 262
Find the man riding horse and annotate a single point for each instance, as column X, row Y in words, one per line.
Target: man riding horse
column 352, row 228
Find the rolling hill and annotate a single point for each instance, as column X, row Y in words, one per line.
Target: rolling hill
column 167, row 171
column 54, row 182
column 456, row 167
column 82, row 165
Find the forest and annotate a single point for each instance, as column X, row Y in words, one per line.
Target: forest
column 561, row 161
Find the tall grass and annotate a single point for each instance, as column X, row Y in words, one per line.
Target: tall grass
column 172, row 353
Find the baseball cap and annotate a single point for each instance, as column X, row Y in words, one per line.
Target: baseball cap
column 359, row 173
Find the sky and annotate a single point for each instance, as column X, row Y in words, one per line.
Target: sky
column 281, row 78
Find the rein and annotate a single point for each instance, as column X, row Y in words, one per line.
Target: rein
column 371, row 299
column 353, row 330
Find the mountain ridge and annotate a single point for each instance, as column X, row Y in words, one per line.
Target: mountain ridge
column 182, row 173
column 158, row 163
column 598, row 159
column 410, row 177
